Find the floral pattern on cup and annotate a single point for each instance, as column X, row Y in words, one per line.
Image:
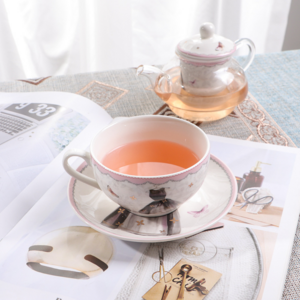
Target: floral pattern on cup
column 151, row 198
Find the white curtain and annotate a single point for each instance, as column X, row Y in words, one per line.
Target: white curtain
column 42, row 38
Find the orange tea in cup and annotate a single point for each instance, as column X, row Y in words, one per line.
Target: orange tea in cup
column 150, row 158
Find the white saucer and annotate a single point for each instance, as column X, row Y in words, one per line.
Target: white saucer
column 212, row 202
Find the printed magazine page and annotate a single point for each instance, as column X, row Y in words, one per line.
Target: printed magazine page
column 35, row 131
column 50, row 253
column 253, row 248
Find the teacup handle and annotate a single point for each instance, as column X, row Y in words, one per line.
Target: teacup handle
column 250, row 44
column 87, row 157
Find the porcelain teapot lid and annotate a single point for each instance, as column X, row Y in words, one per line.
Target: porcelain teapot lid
column 205, row 46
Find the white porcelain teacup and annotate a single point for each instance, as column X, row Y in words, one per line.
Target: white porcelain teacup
column 148, row 196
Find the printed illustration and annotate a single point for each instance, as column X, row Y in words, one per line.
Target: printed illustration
column 255, row 201
column 65, row 130
column 197, row 250
column 18, row 118
column 223, row 251
column 198, row 286
column 76, row 252
column 31, row 136
column 188, row 279
column 63, row 258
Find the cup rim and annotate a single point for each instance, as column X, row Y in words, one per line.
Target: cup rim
column 204, row 157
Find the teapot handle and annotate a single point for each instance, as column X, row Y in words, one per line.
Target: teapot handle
column 242, row 42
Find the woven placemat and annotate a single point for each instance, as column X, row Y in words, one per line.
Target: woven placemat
column 122, row 93
column 249, row 121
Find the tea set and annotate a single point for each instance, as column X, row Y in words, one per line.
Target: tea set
column 204, row 82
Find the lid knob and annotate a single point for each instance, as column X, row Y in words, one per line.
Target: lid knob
column 207, row 30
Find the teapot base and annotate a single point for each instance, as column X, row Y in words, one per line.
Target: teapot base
column 201, row 116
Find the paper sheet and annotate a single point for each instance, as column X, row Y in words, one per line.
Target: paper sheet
column 31, row 162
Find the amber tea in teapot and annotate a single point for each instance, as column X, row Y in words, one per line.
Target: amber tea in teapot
column 203, row 82
column 205, row 108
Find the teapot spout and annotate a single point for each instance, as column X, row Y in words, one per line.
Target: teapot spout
column 156, row 77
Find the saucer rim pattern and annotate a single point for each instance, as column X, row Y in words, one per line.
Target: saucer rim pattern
column 154, row 238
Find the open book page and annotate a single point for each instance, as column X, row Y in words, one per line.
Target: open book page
column 52, row 254
column 253, row 248
column 274, row 223
column 35, row 131
column 251, row 251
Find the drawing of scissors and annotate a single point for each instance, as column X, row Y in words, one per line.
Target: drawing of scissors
column 162, row 272
column 249, row 196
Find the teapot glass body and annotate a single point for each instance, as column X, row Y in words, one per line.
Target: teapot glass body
column 216, row 95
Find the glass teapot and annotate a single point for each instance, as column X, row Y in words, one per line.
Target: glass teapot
column 203, row 82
